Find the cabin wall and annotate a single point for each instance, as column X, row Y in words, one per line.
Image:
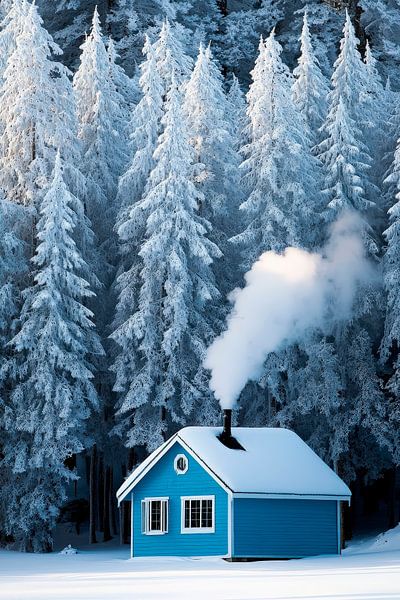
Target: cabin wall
column 162, row 480
column 285, row 528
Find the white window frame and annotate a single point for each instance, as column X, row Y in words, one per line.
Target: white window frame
column 177, row 457
column 146, row 515
column 197, row 529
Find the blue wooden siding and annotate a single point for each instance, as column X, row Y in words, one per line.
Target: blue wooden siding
column 284, row 528
column 162, row 480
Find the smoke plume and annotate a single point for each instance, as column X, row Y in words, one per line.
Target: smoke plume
column 285, row 295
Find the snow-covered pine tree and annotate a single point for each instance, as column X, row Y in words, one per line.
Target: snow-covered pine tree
column 13, row 267
column 242, row 27
column 217, row 162
column 362, row 410
column 163, row 59
column 391, row 339
column 310, row 88
column 237, row 101
column 103, row 112
column 145, row 128
column 381, row 21
column 201, row 21
column 325, row 24
column 350, row 77
column 101, row 129
column 10, row 28
column 5, row 7
column 309, row 385
column 392, row 129
column 144, row 131
column 376, row 129
column 390, row 345
column 129, row 20
column 127, row 25
column 343, row 151
column 54, row 396
column 335, row 401
column 347, row 162
column 374, row 81
column 296, row 378
column 35, row 119
column 283, row 180
column 304, row 392
column 159, row 369
column 125, row 86
column 171, row 60
column 279, row 173
column 68, row 20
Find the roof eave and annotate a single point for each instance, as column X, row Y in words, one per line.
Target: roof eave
column 292, row 496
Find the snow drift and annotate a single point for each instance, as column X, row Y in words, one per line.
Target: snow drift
column 285, row 295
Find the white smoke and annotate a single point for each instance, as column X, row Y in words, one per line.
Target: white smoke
column 285, row 295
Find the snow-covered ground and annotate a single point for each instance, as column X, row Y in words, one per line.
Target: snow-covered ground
column 369, row 570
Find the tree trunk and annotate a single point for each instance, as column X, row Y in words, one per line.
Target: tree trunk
column 75, row 481
column 112, row 504
column 126, row 506
column 121, row 523
column 92, row 496
column 87, row 468
column 359, row 29
column 223, row 7
column 126, row 522
column 106, row 505
column 394, row 498
column 100, row 493
column 163, row 416
column 122, row 528
column 355, row 11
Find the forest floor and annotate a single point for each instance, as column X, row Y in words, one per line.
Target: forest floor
column 367, row 570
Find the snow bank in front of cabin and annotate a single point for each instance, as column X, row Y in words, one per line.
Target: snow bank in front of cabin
column 105, row 573
column 275, row 461
column 389, row 541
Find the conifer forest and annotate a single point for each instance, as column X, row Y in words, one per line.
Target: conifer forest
column 150, row 152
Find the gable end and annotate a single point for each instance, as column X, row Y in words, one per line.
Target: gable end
column 139, row 473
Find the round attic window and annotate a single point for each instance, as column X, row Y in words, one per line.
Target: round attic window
column 181, row 464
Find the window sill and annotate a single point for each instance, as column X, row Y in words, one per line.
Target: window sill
column 154, row 532
column 199, row 530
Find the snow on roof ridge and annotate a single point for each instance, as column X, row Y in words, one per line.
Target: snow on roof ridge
column 219, row 427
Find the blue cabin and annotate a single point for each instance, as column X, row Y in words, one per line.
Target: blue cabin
column 267, row 495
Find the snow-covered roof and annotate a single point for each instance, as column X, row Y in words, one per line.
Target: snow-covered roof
column 275, row 461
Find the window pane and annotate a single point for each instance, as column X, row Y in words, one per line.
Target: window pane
column 155, row 515
column 195, row 513
column 165, row 516
column 206, row 513
column 181, row 464
column 198, row 513
column 187, row 514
